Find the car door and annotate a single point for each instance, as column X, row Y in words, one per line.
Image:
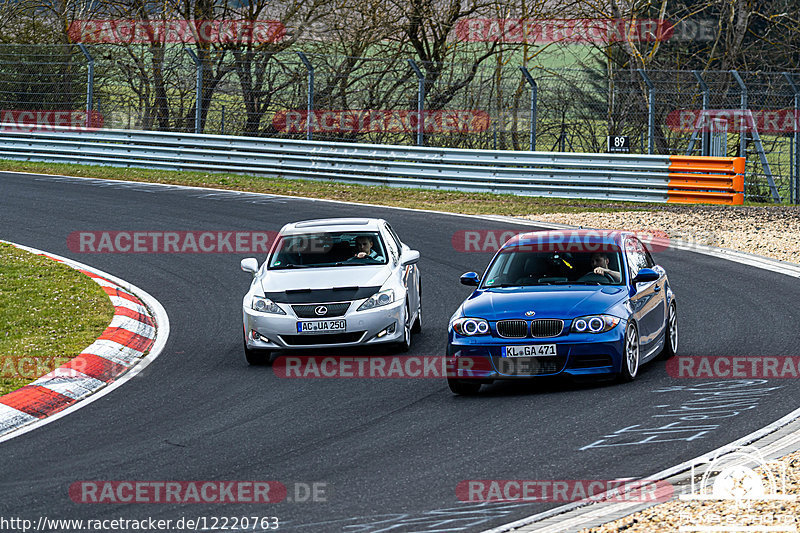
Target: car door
column 409, row 274
column 647, row 300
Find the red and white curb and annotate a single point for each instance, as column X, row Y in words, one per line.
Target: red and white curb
column 135, row 336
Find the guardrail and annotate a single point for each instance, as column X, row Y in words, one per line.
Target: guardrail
column 651, row 178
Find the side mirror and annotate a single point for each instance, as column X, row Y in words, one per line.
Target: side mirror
column 471, row 279
column 646, row 275
column 409, row 257
column 250, row 265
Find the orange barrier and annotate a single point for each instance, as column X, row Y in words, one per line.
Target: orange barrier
column 707, row 180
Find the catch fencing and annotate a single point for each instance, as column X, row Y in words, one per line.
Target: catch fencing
column 375, row 100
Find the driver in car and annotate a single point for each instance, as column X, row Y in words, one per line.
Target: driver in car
column 364, row 249
column 600, row 266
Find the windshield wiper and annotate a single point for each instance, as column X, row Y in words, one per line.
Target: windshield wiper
column 284, row 267
column 585, row 282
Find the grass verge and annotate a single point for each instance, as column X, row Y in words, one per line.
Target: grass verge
column 49, row 312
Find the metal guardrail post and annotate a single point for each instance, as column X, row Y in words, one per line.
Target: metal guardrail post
column 198, row 106
column 89, row 84
column 651, row 111
column 310, row 96
column 795, row 167
column 534, row 96
column 420, row 102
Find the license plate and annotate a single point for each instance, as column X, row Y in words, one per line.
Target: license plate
column 531, row 350
column 321, row 326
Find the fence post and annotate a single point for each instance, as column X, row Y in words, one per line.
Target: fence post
column 756, row 138
column 534, row 95
column 706, row 102
column 89, row 84
column 222, row 121
column 310, row 96
column 743, row 107
column 420, row 102
column 795, row 167
column 651, row 111
column 198, row 106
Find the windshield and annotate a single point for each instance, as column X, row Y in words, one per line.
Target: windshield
column 314, row 250
column 516, row 267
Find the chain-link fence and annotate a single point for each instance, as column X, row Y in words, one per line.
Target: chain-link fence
column 494, row 105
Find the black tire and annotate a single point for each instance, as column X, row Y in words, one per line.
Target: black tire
column 671, row 335
column 464, row 387
column 417, row 327
column 405, row 344
column 257, row 357
column 631, row 356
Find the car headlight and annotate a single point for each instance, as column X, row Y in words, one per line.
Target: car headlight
column 470, row 326
column 378, row 299
column 594, row 324
column 265, row 305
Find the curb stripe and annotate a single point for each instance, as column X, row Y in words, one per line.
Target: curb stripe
column 122, row 302
column 136, row 326
column 36, row 401
column 119, row 293
column 96, row 367
column 135, row 315
column 11, row 418
column 73, row 387
column 114, row 352
column 127, row 338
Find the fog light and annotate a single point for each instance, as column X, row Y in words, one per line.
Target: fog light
column 256, row 336
column 386, row 331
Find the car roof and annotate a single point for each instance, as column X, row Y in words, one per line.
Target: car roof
column 330, row 225
column 569, row 237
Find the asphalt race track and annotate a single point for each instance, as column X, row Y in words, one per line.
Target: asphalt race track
column 390, row 452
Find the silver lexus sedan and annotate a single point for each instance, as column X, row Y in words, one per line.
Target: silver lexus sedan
column 331, row 283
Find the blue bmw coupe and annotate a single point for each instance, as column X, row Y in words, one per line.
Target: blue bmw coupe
column 573, row 302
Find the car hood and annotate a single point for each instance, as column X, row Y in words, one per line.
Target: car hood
column 564, row 302
column 324, row 278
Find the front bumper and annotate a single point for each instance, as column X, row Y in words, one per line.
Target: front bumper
column 279, row 332
column 577, row 354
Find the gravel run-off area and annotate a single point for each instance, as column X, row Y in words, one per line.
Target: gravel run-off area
column 769, row 231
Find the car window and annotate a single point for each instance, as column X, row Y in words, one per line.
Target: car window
column 635, row 254
column 650, row 262
column 314, row 250
column 517, row 266
column 394, row 236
